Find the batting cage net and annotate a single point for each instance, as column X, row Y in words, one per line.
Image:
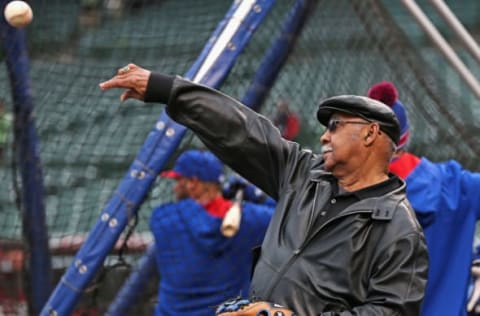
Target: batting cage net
column 87, row 138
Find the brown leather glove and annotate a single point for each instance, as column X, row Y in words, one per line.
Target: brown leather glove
column 245, row 307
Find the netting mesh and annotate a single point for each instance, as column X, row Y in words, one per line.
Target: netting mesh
column 88, row 139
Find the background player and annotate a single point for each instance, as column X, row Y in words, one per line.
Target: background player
column 199, row 267
column 447, row 204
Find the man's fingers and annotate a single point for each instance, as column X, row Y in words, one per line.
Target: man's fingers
column 115, row 82
column 130, row 94
column 123, row 70
column 132, row 78
column 105, row 85
column 121, row 83
column 126, row 69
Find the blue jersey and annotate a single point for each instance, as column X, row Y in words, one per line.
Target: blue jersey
column 200, row 268
column 447, row 203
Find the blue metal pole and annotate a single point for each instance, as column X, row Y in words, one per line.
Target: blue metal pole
column 39, row 274
column 277, row 55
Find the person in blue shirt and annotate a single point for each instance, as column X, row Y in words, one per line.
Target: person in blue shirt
column 447, row 204
column 200, row 267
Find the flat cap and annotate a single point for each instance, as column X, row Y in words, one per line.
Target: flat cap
column 364, row 107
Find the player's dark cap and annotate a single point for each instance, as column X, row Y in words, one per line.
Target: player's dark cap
column 199, row 164
column 364, row 107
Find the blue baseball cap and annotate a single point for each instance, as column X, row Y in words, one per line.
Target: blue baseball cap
column 199, row 164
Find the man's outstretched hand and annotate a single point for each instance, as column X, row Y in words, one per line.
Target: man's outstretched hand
column 132, row 78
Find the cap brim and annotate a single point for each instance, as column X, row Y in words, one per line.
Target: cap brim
column 170, row 174
column 324, row 114
column 369, row 109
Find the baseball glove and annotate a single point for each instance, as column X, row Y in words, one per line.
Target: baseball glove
column 245, row 307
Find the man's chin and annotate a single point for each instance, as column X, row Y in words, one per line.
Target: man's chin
column 327, row 167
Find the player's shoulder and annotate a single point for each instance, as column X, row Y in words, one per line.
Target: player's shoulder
column 256, row 216
column 444, row 171
column 257, row 208
column 169, row 208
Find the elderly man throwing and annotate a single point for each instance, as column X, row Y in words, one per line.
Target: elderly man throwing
column 343, row 239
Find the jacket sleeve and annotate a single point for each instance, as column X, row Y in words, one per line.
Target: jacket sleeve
column 243, row 139
column 398, row 282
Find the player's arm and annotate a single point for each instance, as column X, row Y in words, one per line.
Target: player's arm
column 246, row 141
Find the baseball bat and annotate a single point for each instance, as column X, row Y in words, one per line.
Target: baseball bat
column 476, row 290
column 231, row 221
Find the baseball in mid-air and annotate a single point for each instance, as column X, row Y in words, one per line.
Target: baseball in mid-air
column 18, row 13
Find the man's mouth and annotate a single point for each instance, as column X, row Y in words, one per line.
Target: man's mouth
column 326, row 150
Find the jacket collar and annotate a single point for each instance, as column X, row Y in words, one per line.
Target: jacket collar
column 318, row 172
column 382, row 208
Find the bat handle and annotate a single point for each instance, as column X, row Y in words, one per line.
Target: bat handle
column 232, row 219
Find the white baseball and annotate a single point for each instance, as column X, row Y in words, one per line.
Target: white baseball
column 18, row 13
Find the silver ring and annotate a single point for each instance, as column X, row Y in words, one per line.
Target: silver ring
column 125, row 69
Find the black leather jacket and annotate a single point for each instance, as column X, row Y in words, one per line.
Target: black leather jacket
column 370, row 259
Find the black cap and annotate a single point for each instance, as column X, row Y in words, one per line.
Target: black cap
column 364, row 107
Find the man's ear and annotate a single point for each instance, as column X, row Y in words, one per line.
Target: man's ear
column 367, row 135
column 372, row 133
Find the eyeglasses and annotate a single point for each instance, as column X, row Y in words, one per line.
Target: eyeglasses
column 333, row 124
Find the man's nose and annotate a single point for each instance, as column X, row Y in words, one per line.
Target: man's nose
column 325, row 137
